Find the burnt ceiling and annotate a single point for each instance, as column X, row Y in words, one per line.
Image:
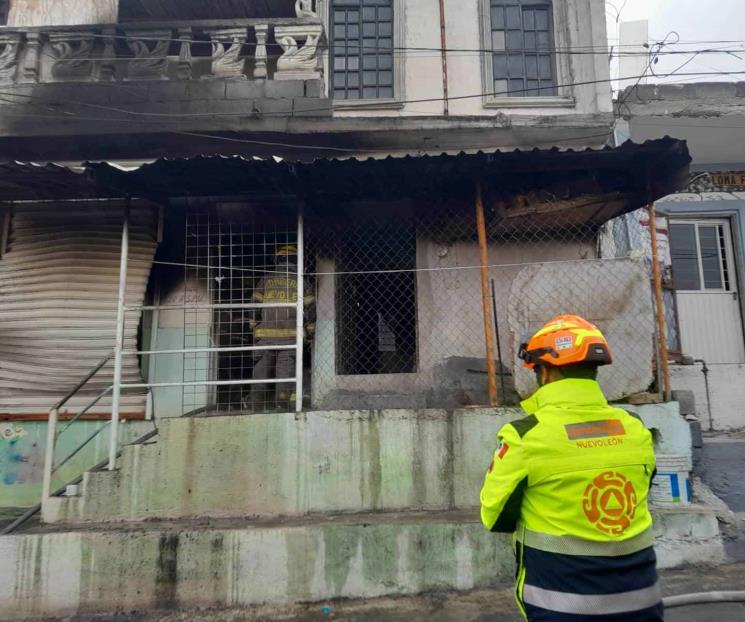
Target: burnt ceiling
column 142, row 10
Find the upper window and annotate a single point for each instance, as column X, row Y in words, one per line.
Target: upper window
column 701, row 256
column 4, row 9
column 362, row 61
column 522, row 43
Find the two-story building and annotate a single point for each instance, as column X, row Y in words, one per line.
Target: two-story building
column 313, row 327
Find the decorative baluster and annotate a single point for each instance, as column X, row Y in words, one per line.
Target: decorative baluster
column 11, row 44
column 72, row 54
column 107, row 68
column 262, row 31
column 304, row 9
column 227, row 45
column 298, row 62
column 150, row 49
column 33, row 54
column 185, row 69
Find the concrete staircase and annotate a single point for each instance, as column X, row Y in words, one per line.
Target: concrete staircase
column 278, row 509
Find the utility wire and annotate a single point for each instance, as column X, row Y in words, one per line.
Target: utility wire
column 259, row 114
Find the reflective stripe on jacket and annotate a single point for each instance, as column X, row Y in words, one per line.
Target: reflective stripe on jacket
column 571, row 480
column 279, row 323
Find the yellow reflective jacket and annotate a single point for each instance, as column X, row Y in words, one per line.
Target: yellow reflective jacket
column 582, row 467
column 572, row 479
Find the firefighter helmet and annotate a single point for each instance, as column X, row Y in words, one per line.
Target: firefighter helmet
column 565, row 340
column 289, row 250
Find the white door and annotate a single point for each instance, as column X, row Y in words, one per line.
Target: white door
column 705, row 280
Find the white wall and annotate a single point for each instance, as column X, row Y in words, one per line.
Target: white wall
column 450, row 317
column 62, row 12
column 577, row 23
column 726, row 391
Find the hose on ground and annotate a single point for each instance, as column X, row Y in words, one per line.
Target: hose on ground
column 703, row 598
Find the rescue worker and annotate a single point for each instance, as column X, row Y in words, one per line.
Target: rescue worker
column 278, row 327
column 571, row 481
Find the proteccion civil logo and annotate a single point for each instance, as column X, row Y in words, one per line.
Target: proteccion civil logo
column 610, row 503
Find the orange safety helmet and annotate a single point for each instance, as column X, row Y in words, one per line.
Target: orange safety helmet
column 565, row 340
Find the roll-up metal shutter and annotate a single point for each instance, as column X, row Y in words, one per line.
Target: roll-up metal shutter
column 59, row 284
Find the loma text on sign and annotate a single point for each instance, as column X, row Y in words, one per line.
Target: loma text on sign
column 729, row 178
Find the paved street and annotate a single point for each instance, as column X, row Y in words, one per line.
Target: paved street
column 481, row 606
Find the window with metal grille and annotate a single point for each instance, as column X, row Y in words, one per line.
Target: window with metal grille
column 523, row 48
column 362, row 33
column 4, row 9
column 700, row 256
column 376, row 300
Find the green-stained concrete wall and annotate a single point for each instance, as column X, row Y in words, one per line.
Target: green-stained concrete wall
column 65, row 573
column 190, row 566
column 22, row 447
column 312, row 463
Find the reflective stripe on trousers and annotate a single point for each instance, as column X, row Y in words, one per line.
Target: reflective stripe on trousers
column 592, row 604
column 569, row 545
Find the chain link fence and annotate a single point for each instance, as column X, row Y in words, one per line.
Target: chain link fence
column 393, row 313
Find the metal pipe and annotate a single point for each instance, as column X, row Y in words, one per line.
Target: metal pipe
column 84, row 381
column 46, row 488
column 499, row 341
column 206, row 383
column 300, row 313
column 705, row 371
column 444, row 54
column 210, row 307
column 98, row 398
column 81, row 446
column 491, row 368
column 204, row 350
column 659, row 304
column 119, row 344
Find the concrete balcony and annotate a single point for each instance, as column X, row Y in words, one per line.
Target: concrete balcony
column 245, row 75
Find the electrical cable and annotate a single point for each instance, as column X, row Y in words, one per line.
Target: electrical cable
column 259, row 114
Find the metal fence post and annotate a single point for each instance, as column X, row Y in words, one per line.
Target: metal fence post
column 491, row 367
column 300, row 313
column 660, row 308
column 119, row 344
column 46, row 491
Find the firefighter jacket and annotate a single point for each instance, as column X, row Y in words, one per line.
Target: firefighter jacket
column 571, row 481
column 280, row 324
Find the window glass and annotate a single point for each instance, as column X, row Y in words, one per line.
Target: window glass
column 372, row 21
column 522, row 27
column 708, row 237
column 684, row 254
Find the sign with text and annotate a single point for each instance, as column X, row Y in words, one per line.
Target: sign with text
column 728, row 178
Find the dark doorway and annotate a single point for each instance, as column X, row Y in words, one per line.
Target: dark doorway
column 376, row 300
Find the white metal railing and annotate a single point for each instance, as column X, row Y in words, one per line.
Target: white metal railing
column 123, row 309
column 119, row 352
column 52, row 435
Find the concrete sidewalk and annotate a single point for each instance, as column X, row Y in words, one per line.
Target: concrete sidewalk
column 494, row 605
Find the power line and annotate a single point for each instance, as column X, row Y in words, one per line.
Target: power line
column 259, row 114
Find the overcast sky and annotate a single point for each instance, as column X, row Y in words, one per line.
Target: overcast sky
column 694, row 21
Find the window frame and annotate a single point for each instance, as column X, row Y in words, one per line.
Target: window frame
column 561, row 62
column 399, row 63
column 728, row 251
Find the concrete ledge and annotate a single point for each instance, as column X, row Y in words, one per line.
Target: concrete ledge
column 316, row 462
column 229, row 563
column 188, row 567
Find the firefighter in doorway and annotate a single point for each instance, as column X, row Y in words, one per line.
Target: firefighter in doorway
column 278, row 327
column 571, row 481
